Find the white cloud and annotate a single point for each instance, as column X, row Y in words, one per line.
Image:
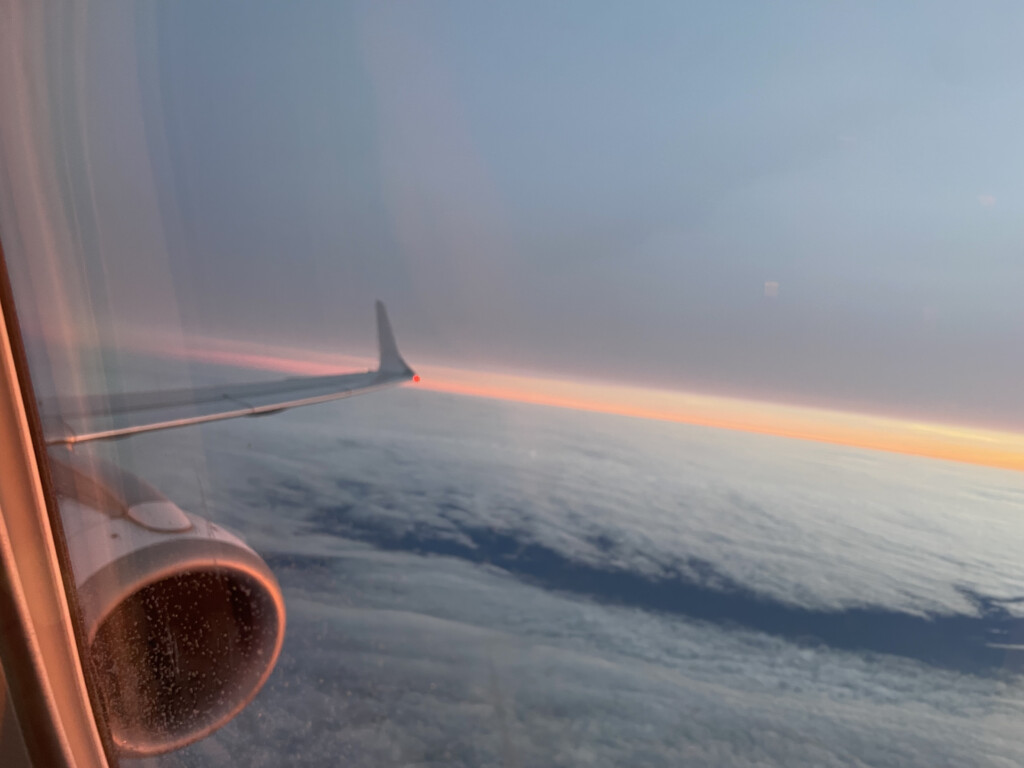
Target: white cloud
column 397, row 659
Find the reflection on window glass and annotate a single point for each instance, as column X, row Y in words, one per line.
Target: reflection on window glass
column 689, row 338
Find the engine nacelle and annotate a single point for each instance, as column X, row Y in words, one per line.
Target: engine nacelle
column 184, row 621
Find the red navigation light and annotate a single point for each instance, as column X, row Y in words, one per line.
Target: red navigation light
column 416, row 377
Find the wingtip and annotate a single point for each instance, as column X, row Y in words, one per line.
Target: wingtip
column 391, row 361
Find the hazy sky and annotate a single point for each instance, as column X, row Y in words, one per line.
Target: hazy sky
column 801, row 201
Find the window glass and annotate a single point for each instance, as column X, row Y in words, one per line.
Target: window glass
column 713, row 455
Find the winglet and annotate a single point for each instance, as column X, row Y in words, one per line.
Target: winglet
column 391, row 361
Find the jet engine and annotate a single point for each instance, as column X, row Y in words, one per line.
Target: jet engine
column 184, row 622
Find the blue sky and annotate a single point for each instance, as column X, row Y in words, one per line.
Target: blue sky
column 595, row 189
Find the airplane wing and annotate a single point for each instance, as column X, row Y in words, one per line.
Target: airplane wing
column 108, row 416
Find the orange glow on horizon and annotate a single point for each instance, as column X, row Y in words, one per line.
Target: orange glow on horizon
column 955, row 443
column 968, row 445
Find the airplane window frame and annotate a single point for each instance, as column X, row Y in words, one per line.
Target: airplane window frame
column 40, row 639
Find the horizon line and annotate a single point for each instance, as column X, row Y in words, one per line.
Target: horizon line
column 907, row 436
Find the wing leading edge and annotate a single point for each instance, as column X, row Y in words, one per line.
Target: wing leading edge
column 110, row 416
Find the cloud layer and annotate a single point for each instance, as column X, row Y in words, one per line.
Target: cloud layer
column 428, row 545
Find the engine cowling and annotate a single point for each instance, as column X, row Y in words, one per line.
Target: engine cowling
column 184, row 621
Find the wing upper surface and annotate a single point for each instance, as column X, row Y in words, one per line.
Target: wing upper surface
column 108, row 416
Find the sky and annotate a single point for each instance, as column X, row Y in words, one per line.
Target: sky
column 806, row 203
